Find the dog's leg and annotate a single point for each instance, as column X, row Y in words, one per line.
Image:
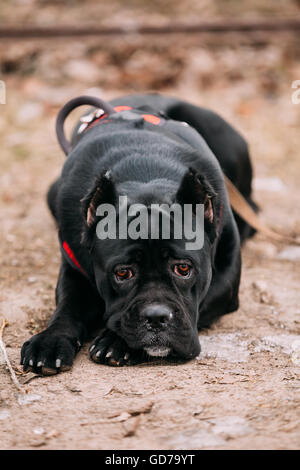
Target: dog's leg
column 78, row 310
column 222, row 296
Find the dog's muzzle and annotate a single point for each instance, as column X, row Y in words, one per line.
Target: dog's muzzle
column 156, row 318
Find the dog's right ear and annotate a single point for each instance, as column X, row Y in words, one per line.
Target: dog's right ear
column 195, row 189
column 102, row 192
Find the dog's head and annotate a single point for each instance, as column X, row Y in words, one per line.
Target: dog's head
column 152, row 286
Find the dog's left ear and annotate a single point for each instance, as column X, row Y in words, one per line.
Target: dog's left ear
column 103, row 191
column 195, row 189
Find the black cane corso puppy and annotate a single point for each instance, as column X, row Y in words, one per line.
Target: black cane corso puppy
column 148, row 297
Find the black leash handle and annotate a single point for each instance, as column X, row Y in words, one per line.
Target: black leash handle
column 68, row 108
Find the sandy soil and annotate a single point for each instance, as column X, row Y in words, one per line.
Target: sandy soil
column 243, row 390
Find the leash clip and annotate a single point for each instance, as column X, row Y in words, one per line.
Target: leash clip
column 87, row 119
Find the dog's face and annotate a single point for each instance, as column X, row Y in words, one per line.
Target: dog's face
column 152, row 288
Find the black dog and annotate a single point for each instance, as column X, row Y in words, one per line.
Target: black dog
column 150, row 296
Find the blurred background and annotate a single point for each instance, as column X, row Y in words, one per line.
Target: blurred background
column 247, row 77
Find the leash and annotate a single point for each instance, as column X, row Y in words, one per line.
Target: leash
column 103, row 110
column 103, row 106
column 245, row 211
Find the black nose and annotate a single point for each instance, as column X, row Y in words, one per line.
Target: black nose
column 157, row 315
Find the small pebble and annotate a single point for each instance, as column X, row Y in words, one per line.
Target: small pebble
column 39, row 431
column 295, row 356
column 4, row 414
column 27, row 398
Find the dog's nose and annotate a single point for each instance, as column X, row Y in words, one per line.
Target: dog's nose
column 157, row 315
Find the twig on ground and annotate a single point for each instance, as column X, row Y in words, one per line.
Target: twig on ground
column 3, row 349
column 131, row 426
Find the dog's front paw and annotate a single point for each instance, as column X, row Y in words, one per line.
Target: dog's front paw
column 112, row 350
column 48, row 353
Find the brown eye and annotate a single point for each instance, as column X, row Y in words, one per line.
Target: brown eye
column 123, row 274
column 182, row 270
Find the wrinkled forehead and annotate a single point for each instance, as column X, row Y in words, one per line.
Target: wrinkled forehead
column 158, row 230
column 108, row 253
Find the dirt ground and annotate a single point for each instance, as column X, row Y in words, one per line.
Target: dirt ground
column 242, row 392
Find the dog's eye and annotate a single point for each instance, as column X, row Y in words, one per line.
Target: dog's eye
column 123, row 274
column 182, row 270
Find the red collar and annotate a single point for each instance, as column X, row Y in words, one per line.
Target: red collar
column 72, row 258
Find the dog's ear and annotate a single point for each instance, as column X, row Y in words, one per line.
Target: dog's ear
column 195, row 189
column 102, row 192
